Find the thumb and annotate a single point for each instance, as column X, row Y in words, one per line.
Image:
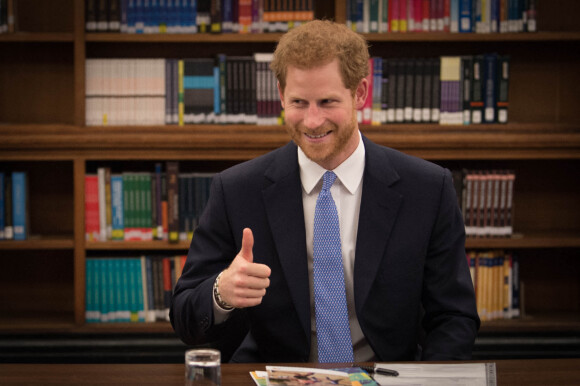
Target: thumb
column 247, row 245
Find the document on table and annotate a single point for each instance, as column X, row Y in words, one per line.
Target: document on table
column 428, row 374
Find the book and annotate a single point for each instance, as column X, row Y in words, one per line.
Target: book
column 20, row 205
column 465, row 16
column 490, row 87
column 198, row 90
column 409, row 90
column 418, row 91
column 466, row 78
column 477, row 90
column 2, row 205
column 286, row 375
column 117, row 218
column 172, row 170
column 92, row 221
column 451, row 110
column 376, row 115
column 502, row 99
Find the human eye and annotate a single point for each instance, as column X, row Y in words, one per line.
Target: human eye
column 328, row 102
column 298, row 102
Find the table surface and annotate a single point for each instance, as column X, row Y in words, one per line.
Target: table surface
column 509, row 372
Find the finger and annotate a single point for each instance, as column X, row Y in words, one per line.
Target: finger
column 247, row 245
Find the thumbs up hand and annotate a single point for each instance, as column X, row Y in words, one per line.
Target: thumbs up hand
column 243, row 283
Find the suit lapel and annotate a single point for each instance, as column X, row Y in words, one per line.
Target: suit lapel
column 283, row 202
column 378, row 211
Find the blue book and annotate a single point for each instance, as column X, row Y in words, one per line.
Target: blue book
column 125, row 314
column 227, row 16
column 19, row 205
column 117, row 207
column 90, row 303
column 131, row 16
column 216, row 91
column 118, row 289
column 139, row 272
column 133, row 303
column 454, row 16
column 494, row 16
column 2, row 206
column 111, row 287
column 94, row 275
column 102, row 268
column 465, row 16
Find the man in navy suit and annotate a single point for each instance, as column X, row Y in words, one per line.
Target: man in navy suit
column 249, row 267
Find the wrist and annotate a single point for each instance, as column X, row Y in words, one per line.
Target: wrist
column 217, row 296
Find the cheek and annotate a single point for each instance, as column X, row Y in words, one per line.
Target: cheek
column 340, row 116
column 292, row 115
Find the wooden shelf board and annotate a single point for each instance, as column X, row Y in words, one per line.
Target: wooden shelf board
column 183, row 38
column 27, row 322
column 511, row 141
column 535, row 322
column 137, row 245
column 373, row 37
column 61, row 323
column 39, row 242
column 474, row 37
column 31, row 37
column 520, row 241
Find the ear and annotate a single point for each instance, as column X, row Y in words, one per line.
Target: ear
column 281, row 94
column 361, row 93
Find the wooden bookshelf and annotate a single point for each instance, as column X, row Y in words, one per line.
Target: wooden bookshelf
column 42, row 131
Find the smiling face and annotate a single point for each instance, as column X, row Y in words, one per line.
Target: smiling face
column 320, row 113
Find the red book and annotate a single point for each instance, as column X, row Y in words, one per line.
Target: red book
column 446, row 15
column 403, row 15
column 417, row 16
column 394, row 15
column 426, row 15
column 92, row 225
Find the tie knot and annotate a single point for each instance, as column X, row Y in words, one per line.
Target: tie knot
column 328, row 180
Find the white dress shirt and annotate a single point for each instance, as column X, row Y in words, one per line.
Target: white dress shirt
column 346, row 192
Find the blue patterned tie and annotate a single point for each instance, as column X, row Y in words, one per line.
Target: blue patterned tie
column 332, row 325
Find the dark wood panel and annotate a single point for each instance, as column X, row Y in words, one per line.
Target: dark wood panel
column 37, row 83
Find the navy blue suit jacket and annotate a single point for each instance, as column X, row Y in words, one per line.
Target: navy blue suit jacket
column 414, row 298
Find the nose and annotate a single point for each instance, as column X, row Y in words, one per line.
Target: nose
column 313, row 117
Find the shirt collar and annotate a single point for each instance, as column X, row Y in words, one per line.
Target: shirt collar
column 349, row 172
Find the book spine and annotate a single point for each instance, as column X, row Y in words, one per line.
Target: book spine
column 167, row 285
column 172, row 170
column 2, row 204
column 490, row 86
column 20, row 205
column 503, row 74
column 466, row 68
column 477, row 89
column 117, row 224
column 436, row 91
column 91, row 15
column 409, row 90
column 418, row 92
column 465, row 16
